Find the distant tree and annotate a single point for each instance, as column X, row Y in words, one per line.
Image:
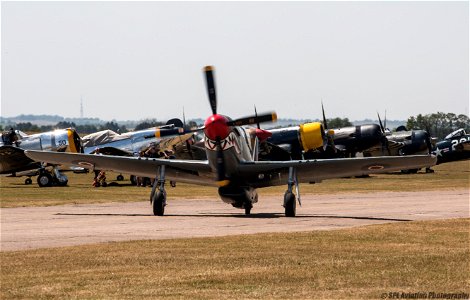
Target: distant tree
column 439, row 124
column 147, row 124
column 27, row 127
column 86, row 129
column 45, row 128
column 338, row 122
column 65, row 124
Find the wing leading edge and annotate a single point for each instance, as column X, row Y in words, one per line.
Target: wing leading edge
column 199, row 172
column 190, row 171
column 320, row 169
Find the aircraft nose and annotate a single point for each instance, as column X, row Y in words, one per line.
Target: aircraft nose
column 216, row 127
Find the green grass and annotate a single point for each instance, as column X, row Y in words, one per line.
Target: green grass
column 15, row 194
column 363, row 262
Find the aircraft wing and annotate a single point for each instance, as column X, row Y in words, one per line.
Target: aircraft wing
column 320, row 169
column 13, row 159
column 195, row 171
column 191, row 171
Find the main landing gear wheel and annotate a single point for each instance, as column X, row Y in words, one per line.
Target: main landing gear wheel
column 248, row 209
column 44, row 179
column 158, row 203
column 289, row 204
column 133, row 180
column 28, row 181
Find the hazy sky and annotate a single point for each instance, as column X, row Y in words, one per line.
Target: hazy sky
column 140, row 60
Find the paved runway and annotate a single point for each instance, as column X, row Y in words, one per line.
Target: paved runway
column 39, row 227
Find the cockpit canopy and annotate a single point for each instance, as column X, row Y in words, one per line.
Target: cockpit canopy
column 458, row 133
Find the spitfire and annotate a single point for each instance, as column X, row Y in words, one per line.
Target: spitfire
column 232, row 163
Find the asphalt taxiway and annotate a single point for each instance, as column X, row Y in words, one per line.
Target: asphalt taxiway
column 67, row 225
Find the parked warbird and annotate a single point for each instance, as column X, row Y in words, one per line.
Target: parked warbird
column 13, row 160
column 133, row 143
column 403, row 142
column 315, row 140
column 455, row 146
column 232, row 163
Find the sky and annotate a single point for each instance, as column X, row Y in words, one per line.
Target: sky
column 138, row 60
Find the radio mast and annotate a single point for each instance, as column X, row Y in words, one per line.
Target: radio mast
column 81, row 107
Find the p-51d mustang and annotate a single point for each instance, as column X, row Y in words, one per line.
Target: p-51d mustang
column 232, row 158
column 14, row 161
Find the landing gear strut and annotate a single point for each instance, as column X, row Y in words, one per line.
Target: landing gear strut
column 289, row 196
column 248, row 207
column 159, row 198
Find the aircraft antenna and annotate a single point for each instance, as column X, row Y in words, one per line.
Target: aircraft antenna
column 81, row 107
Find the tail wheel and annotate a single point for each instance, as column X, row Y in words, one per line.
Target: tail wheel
column 44, row 180
column 289, row 204
column 158, row 203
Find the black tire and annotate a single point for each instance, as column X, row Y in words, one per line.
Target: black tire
column 104, row 184
column 410, row 171
column 248, row 210
column 44, row 180
column 154, row 190
column 158, row 203
column 28, row 181
column 289, row 204
column 120, row 177
column 133, row 180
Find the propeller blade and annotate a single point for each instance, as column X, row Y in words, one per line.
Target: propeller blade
column 384, row 139
column 324, row 118
column 381, row 125
column 220, row 165
column 256, row 115
column 210, row 85
column 385, row 120
column 268, row 117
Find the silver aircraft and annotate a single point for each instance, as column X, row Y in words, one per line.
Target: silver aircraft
column 132, row 143
column 13, row 160
column 232, row 163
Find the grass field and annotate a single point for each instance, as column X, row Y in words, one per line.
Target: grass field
column 15, row 194
column 364, row 262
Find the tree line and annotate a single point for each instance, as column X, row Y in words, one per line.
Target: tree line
column 439, row 124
